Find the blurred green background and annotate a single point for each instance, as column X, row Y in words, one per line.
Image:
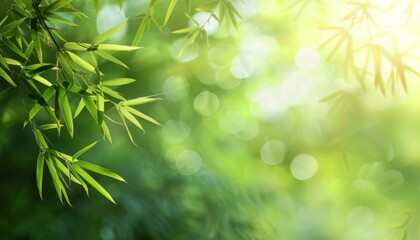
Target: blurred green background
column 246, row 151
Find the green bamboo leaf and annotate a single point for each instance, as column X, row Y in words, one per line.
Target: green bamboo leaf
column 120, row 4
column 66, row 110
column 377, row 61
column 35, row 38
column 60, row 155
column 42, row 80
column 53, row 7
column 118, row 81
column 109, row 57
column 100, row 105
column 130, row 117
column 13, row 47
column 91, row 107
column 52, row 16
column 5, row 92
column 64, row 64
column 171, row 7
column 140, row 31
column 104, row 36
column 11, row 26
column 139, row 101
column 185, row 30
column 49, row 126
column 187, row 6
column 40, row 172
column 76, row 46
column 142, row 115
column 93, row 182
column 83, row 150
column 14, row 62
column 38, row 68
column 188, row 43
column 35, row 109
column 94, row 62
column 66, row 170
column 39, row 138
column 56, row 180
column 81, row 181
column 113, row 93
column 126, row 128
column 115, row 47
column 6, row 77
column 100, row 170
column 78, row 60
column 79, row 108
column 105, row 132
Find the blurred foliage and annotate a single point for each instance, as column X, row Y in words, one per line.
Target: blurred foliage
column 274, row 130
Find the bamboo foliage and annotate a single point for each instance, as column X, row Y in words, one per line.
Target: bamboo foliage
column 28, row 30
column 382, row 58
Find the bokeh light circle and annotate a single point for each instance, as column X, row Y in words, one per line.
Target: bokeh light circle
column 273, row 152
column 206, row 103
column 304, row 166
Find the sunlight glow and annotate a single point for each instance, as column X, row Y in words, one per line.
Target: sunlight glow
column 273, row 152
column 307, row 59
column 206, row 103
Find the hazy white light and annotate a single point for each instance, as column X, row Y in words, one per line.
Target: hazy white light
column 225, row 80
column 176, row 88
column 188, row 162
column 304, row 166
column 110, row 16
column 204, row 18
column 360, row 217
column 294, row 88
column 273, row 152
column 206, row 103
column 219, row 56
column 270, row 105
column 242, row 66
column 232, row 122
column 175, row 131
column 307, row 59
column 258, row 46
column 250, row 130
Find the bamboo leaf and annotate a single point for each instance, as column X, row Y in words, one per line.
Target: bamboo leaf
column 42, row 80
column 117, row 81
column 100, row 170
column 83, row 150
column 56, row 180
column 66, row 110
column 13, row 47
column 91, row 107
column 130, row 117
column 76, row 46
column 53, row 7
column 78, row 60
column 109, row 57
column 126, row 127
column 113, row 93
column 81, row 181
column 171, row 7
column 79, row 108
column 40, row 172
column 66, row 170
column 100, row 106
column 6, row 92
column 142, row 115
column 11, row 26
column 139, row 101
column 140, row 31
column 6, row 77
column 104, row 36
column 93, row 182
column 185, row 30
column 105, row 131
column 115, row 47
